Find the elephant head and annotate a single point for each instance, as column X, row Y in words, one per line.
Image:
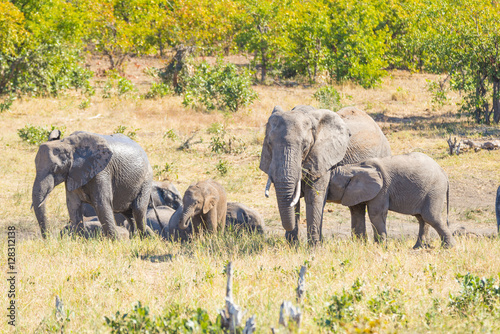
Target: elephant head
column 355, row 184
column 74, row 160
column 303, row 143
column 198, row 199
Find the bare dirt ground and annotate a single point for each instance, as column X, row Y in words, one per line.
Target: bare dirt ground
column 402, row 106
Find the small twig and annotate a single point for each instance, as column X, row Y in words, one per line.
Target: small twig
column 187, row 144
column 250, row 325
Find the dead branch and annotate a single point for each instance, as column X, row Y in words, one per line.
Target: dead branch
column 187, row 144
column 454, row 147
column 290, row 315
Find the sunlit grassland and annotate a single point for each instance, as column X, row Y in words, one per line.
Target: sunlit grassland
column 97, row 278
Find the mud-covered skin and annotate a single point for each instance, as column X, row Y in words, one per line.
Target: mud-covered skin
column 112, row 173
column 241, row 217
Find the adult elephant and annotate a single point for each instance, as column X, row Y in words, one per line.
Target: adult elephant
column 301, row 147
column 112, row 173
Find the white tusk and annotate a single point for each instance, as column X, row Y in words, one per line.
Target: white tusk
column 268, row 185
column 297, row 194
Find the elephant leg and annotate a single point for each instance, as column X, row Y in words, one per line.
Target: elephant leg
column 378, row 219
column 198, row 224
column 315, row 198
column 442, row 229
column 422, row 233
column 293, row 236
column 358, row 222
column 210, row 220
column 75, row 212
column 140, row 207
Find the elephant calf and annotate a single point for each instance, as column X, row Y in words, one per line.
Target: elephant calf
column 412, row 184
column 241, row 217
column 205, row 203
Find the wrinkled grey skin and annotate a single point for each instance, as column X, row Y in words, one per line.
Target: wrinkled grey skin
column 162, row 194
column 92, row 224
column 93, row 229
column 112, row 173
column 165, row 213
column 303, row 145
column 205, row 203
column 411, row 184
column 241, row 217
column 166, row 194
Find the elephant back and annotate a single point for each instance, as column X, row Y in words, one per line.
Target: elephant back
column 367, row 139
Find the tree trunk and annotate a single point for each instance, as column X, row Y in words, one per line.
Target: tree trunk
column 496, row 103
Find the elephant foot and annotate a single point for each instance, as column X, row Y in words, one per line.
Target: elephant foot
column 422, row 245
column 292, row 237
column 447, row 244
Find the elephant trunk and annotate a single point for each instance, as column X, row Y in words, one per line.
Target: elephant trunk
column 285, row 196
column 187, row 214
column 41, row 189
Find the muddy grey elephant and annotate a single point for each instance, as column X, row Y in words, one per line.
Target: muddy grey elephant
column 92, row 228
column 162, row 194
column 205, row 203
column 412, row 184
column 112, row 173
column 301, row 147
column 165, row 194
column 241, row 217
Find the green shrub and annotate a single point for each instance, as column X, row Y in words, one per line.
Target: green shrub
column 222, row 167
column 158, row 90
column 7, row 102
column 218, row 87
column 328, row 98
column 132, row 133
column 139, row 320
column 476, row 293
column 36, row 135
column 116, row 85
column 46, row 70
column 342, row 306
column 169, row 171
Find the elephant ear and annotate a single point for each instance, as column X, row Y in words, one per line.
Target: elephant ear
column 90, row 156
column 331, row 138
column 366, row 182
column 209, row 203
column 266, row 155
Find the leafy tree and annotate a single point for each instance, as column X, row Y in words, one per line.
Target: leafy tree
column 356, row 42
column 261, row 31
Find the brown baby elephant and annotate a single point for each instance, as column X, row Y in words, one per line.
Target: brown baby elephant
column 205, row 203
column 411, row 184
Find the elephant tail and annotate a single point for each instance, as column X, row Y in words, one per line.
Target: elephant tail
column 162, row 226
column 448, row 205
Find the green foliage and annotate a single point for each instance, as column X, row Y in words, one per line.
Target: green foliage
column 476, row 294
column 168, row 171
column 171, row 134
column 219, row 87
column 7, row 102
column 222, row 167
column 328, row 98
column 158, row 90
column 387, row 302
column 132, row 133
column 116, row 85
column 139, row 320
column 36, row 135
column 342, row 307
column 438, row 91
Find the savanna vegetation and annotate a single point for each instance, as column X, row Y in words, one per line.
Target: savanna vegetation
column 424, row 70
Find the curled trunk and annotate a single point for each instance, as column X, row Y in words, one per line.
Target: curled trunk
column 186, row 216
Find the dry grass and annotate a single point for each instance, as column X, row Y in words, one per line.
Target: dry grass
column 97, row 278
